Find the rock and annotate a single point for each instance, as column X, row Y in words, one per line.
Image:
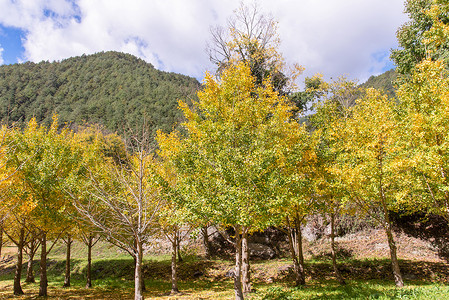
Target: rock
column 261, row 251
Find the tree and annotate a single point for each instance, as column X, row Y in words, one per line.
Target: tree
column 50, row 156
column 123, row 199
column 17, row 208
column 294, row 201
column 370, row 163
column 68, row 240
column 336, row 99
column 97, row 148
column 236, row 134
column 425, row 102
column 90, row 240
column 174, row 220
column 7, row 176
column 313, row 91
column 412, row 35
column 251, row 37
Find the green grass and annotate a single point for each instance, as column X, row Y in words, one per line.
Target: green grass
column 371, row 289
column 113, row 279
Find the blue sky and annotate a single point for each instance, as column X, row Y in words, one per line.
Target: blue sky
column 11, row 43
column 332, row 37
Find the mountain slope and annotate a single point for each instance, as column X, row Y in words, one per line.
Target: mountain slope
column 384, row 81
column 114, row 89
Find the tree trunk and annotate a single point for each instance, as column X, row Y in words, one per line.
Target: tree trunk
column 246, row 272
column 394, row 259
column 67, row 262
column 299, row 276
column 135, row 262
column 30, row 271
column 174, row 268
column 298, row 248
column 333, row 252
column 238, row 264
column 178, row 245
column 138, row 293
column 387, row 224
column 89, row 262
column 43, row 266
column 206, row 242
column 1, row 237
column 17, row 276
column 32, row 247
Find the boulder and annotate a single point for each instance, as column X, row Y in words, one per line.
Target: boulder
column 260, row 251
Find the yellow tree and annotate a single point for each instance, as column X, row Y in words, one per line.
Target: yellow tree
column 424, row 101
column 19, row 225
column 336, row 100
column 7, row 174
column 369, row 162
column 237, row 132
column 50, row 157
column 15, row 204
column 295, row 199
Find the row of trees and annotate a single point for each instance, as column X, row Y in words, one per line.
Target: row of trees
column 246, row 163
column 59, row 184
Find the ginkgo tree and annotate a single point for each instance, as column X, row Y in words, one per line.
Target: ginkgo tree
column 293, row 196
column 236, row 134
column 370, row 162
column 336, row 100
column 424, row 103
column 121, row 198
column 46, row 156
column 8, row 174
column 174, row 220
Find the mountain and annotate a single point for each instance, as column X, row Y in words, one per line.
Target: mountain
column 384, row 81
column 113, row 89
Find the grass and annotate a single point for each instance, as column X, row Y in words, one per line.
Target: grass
column 113, row 279
column 371, row 289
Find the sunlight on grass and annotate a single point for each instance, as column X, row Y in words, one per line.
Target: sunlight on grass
column 113, row 279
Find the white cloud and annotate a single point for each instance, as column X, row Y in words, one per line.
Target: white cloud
column 329, row 36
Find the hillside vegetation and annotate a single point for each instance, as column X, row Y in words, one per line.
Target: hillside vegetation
column 384, row 82
column 113, row 89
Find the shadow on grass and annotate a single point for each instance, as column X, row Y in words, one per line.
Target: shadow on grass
column 375, row 269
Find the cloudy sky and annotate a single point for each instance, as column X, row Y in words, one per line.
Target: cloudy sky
column 333, row 37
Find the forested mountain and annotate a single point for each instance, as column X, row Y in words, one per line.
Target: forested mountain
column 114, row 89
column 384, row 82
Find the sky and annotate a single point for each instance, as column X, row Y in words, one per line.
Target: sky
column 333, row 37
